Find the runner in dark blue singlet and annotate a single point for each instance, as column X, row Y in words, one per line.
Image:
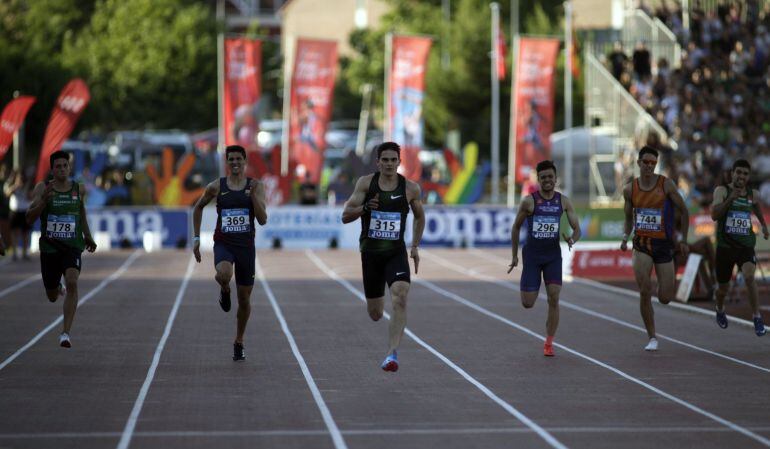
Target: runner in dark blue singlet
column 542, row 253
column 239, row 201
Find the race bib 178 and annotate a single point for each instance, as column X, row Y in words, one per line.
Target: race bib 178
column 385, row 225
column 60, row 227
column 235, row 220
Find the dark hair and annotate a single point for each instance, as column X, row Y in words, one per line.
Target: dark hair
column 385, row 146
column 545, row 165
column 648, row 150
column 58, row 155
column 741, row 163
column 235, row 149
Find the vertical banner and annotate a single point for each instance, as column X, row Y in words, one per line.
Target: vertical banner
column 406, row 91
column 312, row 86
column 70, row 105
column 242, row 90
column 533, row 117
column 11, row 120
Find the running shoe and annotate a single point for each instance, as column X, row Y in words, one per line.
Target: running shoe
column 759, row 326
column 64, row 340
column 238, row 355
column 722, row 319
column 390, row 363
column 224, row 300
column 548, row 350
column 652, row 345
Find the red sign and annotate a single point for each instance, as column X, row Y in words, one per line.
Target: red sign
column 312, row 87
column 406, row 81
column 242, row 90
column 534, row 103
column 603, row 264
column 71, row 103
column 11, row 120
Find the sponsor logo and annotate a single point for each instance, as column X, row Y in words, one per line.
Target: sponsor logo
column 400, row 273
column 395, row 197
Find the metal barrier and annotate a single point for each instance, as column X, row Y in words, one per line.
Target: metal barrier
column 609, row 107
column 659, row 39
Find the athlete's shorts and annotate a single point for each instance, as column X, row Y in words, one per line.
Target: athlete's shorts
column 661, row 250
column 537, row 265
column 727, row 258
column 386, row 267
column 243, row 260
column 53, row 266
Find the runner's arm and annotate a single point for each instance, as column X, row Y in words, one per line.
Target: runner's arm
column 212, row 190
column 721, row 203
column 418, row 226
column 757, row 207
column 259, row 202
column 572, row 218
column 628, row 212
column 40, row 195
column 526, row 209
column 89, row 240
column 676, row 198
column 354, row 206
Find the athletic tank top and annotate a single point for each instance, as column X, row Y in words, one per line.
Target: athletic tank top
column 734, row 229
column 543, row 224
column 60, row 222
column 653, row 211
column 235, row 215
column 383, row 229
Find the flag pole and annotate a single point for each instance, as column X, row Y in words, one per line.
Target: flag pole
column 495, row 128
column 568, row 96
column 288, row 69
column 386, row 97
column 221, row 87
column 512, row 122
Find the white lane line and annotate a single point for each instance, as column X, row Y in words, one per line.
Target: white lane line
column 754, row 436
column 299, row 433
column 128, row 430
column 545, row 435
column 82, row 301
column 334, row 431
column 513, row 286
column 626, row 292
column 19, row 285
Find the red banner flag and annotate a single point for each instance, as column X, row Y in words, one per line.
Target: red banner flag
column 534, row 103
column 312, row 86
column 11, row 120
column 406, row 92
column 501, row 51
column 70, row 105
column 242, row 90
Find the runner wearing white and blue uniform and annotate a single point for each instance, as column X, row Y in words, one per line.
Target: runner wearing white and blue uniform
column 542, row 253
column 240, row 200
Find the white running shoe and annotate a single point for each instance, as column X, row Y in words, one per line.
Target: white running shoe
column 64, row 340
column 652, row 345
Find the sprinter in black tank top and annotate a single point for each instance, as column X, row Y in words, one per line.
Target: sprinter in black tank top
column 239, row 201
column 382, row 201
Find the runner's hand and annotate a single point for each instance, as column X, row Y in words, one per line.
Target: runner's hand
column 514, row 262
column 415, row 254
column 48, row 192
column 765, row 233
column 624, row 245
column 90, row 244
column 197, row 250
column 569, row 241
column 373, row 203
column 684, row 249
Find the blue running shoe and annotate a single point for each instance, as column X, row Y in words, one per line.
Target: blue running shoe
column 390, row 363
column 759, row 326
column 722, row 319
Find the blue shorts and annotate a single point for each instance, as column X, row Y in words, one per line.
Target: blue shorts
column 537, row 265
column 243, row 259
column 661, row 250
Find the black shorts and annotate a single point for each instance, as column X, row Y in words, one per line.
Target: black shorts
column 19, row 221
column 243, row 260
column 53, row 266
column 727, row 258
column 380, row 268
column 661, row 250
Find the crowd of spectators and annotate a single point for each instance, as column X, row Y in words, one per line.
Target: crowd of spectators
column 716, row 104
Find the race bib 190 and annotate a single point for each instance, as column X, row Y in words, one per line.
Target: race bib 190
column 545, row 226
column 235, row 220
column 649, row 219
column 60, row 227
column 385, row 225
column 738, row 222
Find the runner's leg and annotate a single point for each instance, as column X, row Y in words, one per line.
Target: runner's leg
column 642, row 268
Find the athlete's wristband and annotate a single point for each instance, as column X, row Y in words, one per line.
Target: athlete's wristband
column 625, row 237
column 196, row 239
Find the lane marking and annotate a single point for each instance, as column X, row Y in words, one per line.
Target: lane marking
column 82, row 301
column 545, row 435
column 627, row 292
column 457, row 298
column 513, row 286
column 334, row 431
column 128, row 430
column 19, row 285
